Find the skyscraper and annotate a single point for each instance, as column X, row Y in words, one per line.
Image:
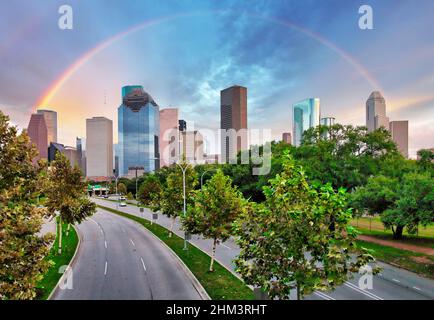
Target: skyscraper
column 99, row 147
column 233, row 117
column 51, row 122
column 305, row 115
column 327, row 121
column 286, row 137
column 376, row 112
column 80, row 156
column 169, row 136
column 37, row 131
column 399, row 132
column 138, row 125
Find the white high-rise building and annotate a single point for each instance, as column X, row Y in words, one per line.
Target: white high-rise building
column 99, row 147
column 376, row 112
column 51, row 122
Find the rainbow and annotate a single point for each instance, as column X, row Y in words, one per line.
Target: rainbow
column 47, row 96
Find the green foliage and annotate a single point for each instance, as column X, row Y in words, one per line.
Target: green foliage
column 122, row 189
column 172, row 200
column 402, row 202
column 299, row 237
column 344, row 156
column 426, row 159
column 216, row 206
column 21, row 248
column 66, row 192
column 150, row 191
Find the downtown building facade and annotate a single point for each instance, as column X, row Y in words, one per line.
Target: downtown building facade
column 233, row 122
column 138, row 128
column 50, row 117
column 305, row 114
column 99, row 148
column 376, row 112
column 169, row 136
column 38, row 134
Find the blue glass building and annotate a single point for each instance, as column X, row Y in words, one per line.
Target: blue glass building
column 306, row 114
column 138, row 128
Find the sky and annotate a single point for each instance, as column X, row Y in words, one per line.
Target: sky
column 184, row 52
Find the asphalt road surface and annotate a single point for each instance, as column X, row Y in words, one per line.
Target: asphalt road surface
column 392, row 283
column 119, row 259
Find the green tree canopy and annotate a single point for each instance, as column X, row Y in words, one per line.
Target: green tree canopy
column 66, row 193
column 287, row 242
column 216, row 206
column 150, row 192
column 21, row 248
column 403, row 202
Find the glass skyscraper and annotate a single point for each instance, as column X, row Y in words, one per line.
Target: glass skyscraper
column 138, row 126
column 306, row 114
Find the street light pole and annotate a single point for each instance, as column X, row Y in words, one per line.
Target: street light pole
column 184, row 169
column 201, row 177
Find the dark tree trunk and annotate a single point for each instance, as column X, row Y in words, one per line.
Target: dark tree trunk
column 397, row 234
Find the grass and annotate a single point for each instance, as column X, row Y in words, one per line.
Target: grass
column 374, row 226
column 416, row 262
column 220, row 284
column 69, row 245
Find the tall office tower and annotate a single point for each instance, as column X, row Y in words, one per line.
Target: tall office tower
column 192, row 146
column 233, row 121
column 72, row 155
column 80, row 157
column 376, row 112
column 182, row 125
column 327, row 121
column 99, row 147
column 37, row 131
column 305, row 115
column 399, row 132
column 138, row 125
column 116, row 160
column 286, row 137
column 169, row 136
column 51, row 122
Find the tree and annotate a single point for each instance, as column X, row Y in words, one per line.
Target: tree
column 21, row 248
column 172, row 200
column 122, row 189
column 66, row 194
column 150, row 192
column 345, row 156
column 216, row 206
column 426, row 158
column 286, row 242
column 403, row 202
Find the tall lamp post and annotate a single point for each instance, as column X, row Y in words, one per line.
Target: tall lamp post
column 184, row 169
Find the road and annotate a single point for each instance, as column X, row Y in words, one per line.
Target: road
column 392, row 283
column 119, row 259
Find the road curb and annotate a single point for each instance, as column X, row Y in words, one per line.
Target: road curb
column 69, row 265
column 196, row 284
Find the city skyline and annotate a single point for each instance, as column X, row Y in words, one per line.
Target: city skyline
column 311, row 58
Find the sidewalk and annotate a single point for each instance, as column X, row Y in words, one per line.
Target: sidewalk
column 398, row 245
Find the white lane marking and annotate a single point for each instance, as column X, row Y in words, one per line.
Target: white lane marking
column 366, row 293
column 132, row 242
column 324, row 296
column 143, row 264
column 396, row 280
column 419, row 289
column 105, row 269
column 226, row 246
column 105, row 244
column 100, row 229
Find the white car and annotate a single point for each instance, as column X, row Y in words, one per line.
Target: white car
column 122, row 204
column 122, row 198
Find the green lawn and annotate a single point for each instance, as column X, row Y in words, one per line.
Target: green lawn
column 417, row 262
column 220, row 284
column 69, row 245
column 375, row 225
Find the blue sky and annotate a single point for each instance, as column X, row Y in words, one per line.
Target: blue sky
column 205, row 46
